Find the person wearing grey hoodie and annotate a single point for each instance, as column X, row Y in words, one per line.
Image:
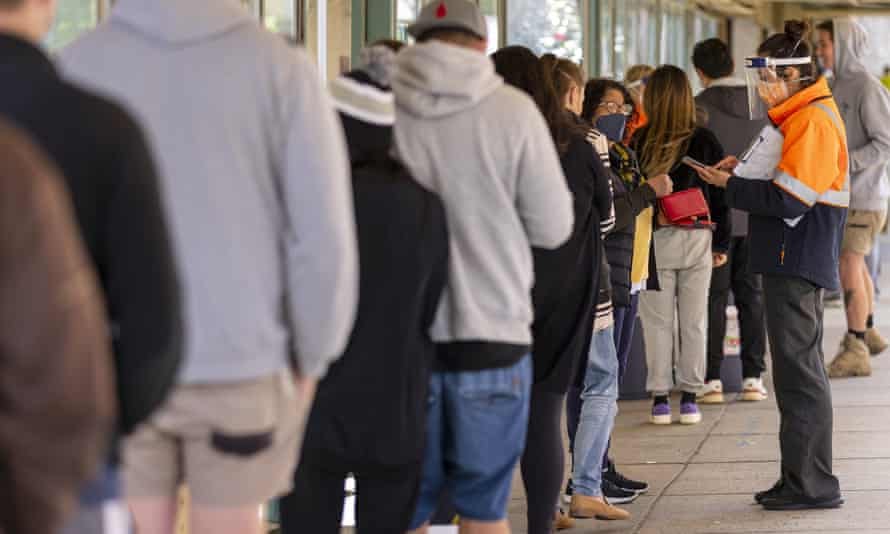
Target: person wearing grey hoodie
column 486, row 150
column 865, row 109
column 256, row 183
column 724, row 102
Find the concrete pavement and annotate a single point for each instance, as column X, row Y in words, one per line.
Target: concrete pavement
column 703, row 477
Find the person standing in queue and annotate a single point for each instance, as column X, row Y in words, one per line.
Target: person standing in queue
column 565, row 290
column 725, row 102
column 798, row 257
column 842, row 46
column 685, row 253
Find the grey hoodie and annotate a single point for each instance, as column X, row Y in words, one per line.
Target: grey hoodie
column 865, row 108
column 255, row 178
column 485, row 148
column 725, row 103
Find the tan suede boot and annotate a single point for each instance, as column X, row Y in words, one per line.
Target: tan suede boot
column 562, row 521
column 852, row 360
column 584, row 507
column 875, row 341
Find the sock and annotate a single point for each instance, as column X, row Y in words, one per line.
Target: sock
column 687, row 398
column 870, row 322
column 859, row 335
column 661, row 399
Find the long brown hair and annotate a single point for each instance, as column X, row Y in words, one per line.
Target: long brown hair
column 670, row 105
column 522, row 69
column 564, row 73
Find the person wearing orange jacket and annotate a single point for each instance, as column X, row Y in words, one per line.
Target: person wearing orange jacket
column 797, row 221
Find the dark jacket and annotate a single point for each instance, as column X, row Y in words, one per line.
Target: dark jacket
column 567, row 279
column 704, row 147
column 726, row 114
column 111, row 177
column 812, row 181
column 370, row 409
column 56, row 378
column 631, row 197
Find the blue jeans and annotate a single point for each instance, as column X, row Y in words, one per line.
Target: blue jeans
column 598, row 410
column 476, row 427
column 102, row 509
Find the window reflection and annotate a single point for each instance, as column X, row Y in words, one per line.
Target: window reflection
column 279, row 17
column 552, row 26
column 73, row 18
column 406, row 14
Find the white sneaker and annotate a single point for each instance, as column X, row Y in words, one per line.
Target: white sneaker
column 712, row 393
column 753, row 390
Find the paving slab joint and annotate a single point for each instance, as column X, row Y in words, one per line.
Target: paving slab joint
column 664, row 490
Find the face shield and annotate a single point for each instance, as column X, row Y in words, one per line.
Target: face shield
column 771, row 81
column 636, row 88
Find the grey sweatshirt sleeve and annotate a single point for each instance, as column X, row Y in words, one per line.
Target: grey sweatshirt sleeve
column 544, row 201
column 875, row 116
column 319, row 243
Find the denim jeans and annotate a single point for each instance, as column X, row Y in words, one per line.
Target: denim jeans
column 477, row 423
column 102, row 509
column 598, row 410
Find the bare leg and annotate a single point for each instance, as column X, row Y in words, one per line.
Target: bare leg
column 422, row 529
column 154, row 515
column 468, row 526
column 856, row 298
column 243, row 520
column 869, row 288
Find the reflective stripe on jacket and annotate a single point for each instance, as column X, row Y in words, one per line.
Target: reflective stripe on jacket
column 812, row 180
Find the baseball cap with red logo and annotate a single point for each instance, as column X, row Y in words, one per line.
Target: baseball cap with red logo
column 462, row 15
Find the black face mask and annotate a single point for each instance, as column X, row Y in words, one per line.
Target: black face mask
column 612, row 126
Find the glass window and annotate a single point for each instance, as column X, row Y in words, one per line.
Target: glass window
column 280, row 16
column 547, row 26
column 73, row 18
column 648, row 36
column 620, row 43
column 406, row 13
column 490, row 11
column 606, row 38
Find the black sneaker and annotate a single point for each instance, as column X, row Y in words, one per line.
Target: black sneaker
column 567, row 498
column 612, row 475
column 770, row 493
column 616, row 495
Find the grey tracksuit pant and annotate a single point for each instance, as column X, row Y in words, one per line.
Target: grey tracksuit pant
column 794, row 325
column 684, row 273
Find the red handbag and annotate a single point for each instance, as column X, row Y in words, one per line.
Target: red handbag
column 687, row 208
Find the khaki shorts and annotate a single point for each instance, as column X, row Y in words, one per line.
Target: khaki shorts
column 861, row 231
column 233, row 445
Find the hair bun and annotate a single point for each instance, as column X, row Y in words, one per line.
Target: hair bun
column 796, row 30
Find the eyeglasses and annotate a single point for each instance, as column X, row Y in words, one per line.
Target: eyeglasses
column 612, row 107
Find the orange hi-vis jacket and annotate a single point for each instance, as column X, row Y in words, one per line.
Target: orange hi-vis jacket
column 812, row 181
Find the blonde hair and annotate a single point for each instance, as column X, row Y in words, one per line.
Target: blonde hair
column 637, row 73
column 670, row 105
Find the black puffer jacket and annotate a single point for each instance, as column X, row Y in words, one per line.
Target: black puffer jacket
column 632, row 197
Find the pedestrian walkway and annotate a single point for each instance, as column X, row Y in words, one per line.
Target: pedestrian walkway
column 703, row 477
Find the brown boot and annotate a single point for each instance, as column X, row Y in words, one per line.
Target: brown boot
column 875, row 341
column 852, row 360
column 584, row 507
column 562, row 521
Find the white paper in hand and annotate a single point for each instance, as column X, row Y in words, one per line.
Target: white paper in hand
column 761, row 160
